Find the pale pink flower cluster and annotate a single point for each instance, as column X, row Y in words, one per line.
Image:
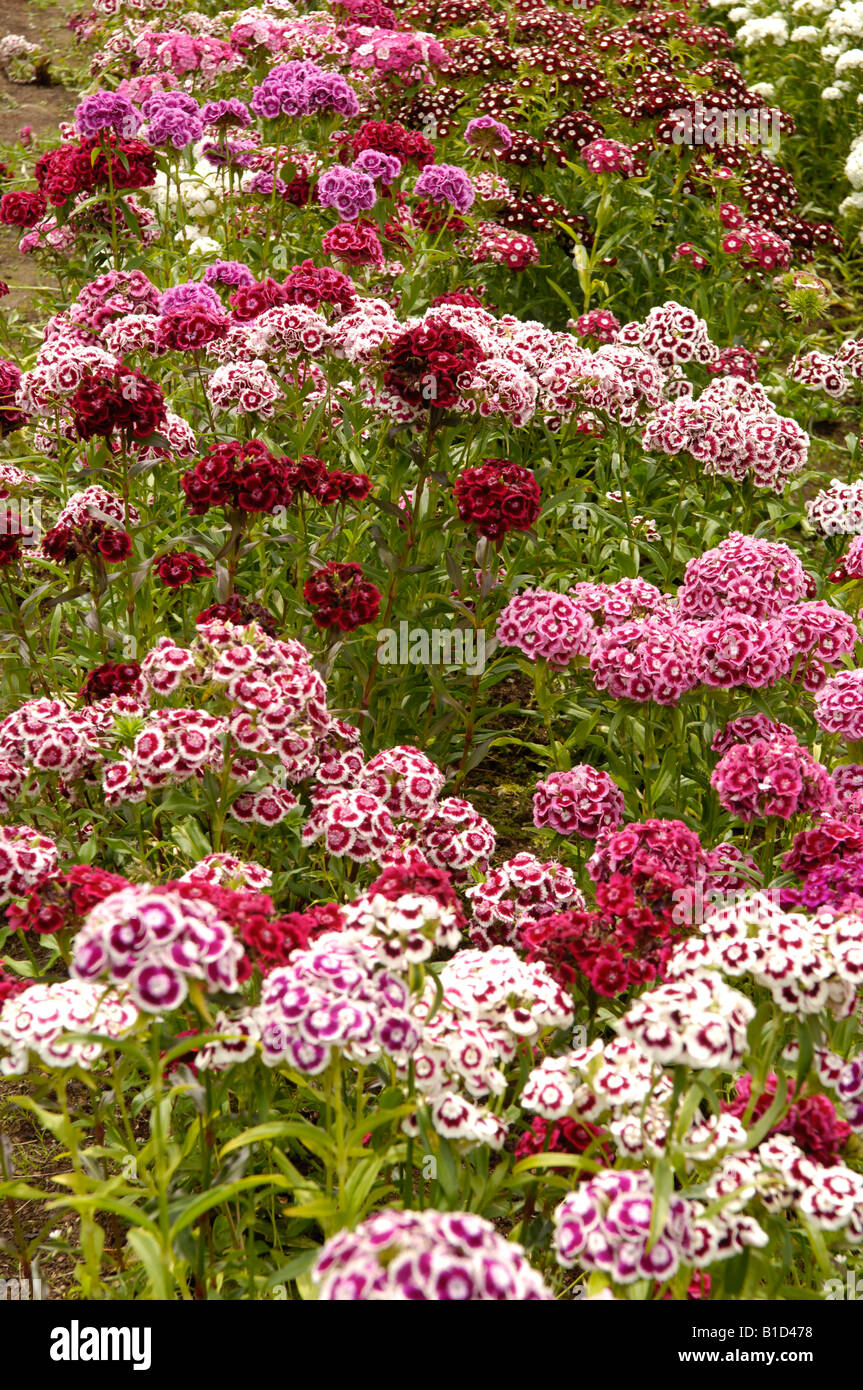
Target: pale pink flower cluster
column 617, row 1084
column 407, row 929
column 819, row 372
column 607, row 1224
column 734, row 430
column 673, row 335
column 782, row 1177
column 839, row 706
column 333, row 999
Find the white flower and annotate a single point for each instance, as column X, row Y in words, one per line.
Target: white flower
column 771, row 29
column 831, row 94
column 805, row 33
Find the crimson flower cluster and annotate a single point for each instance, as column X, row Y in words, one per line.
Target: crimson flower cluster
column 424, row 365
column 310, row 477
column 497, row 497
column 81, row 167
column 120, row 399
column 623, row 944
column 811, row 1122
column 243, row 477
column 112, row 679
column 181, row 567
column 61, row 902
column 340, row 597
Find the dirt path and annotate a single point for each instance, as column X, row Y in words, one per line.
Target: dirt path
column 42, row 107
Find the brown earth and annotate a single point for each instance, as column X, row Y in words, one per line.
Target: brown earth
column 39, row 105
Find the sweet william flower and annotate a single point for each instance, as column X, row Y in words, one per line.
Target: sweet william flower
column 340, row 597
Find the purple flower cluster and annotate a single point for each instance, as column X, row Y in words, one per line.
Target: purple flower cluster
column 104, row 110
column 302, row 88
column 156, row 939
column 349, row 191
column 446, row 183
column 173, row 118
column 227, row 111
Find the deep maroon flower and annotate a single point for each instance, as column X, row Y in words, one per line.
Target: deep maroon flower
column 497, row 497
column 425, row 363
column 123, row 399
column 244, row 477
column 341, row 598
column 310, row 477
column 11, row 418
column 115, row 545
column 315, row 285
column 240, row 611
column 181, row 567
column 114, row 678
column 10, row 548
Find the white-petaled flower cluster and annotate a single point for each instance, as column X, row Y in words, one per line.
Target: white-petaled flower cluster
column 606, row 1225
column 521, row 890
column 618, row 1084
column 26, row 857
column 37, row 1022
column 734, row 430
column 226, row 870
column 838, row 509
column 408, row 929
column 428, row 1256
column 473, row 1019
column 155, row 940
column 334, row 998
column 698, row 1021
column 809, row 964
column 780, row 1175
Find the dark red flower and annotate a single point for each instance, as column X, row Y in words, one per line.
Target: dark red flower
column 425, row 363
column 123, row 399
column 244, row 477
column 498, row 497
column 420, row 878
column 341, row 598
column 114, row 544
column 240, row 611
column 113, row 678
column 181, row 567
column 22, row 209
